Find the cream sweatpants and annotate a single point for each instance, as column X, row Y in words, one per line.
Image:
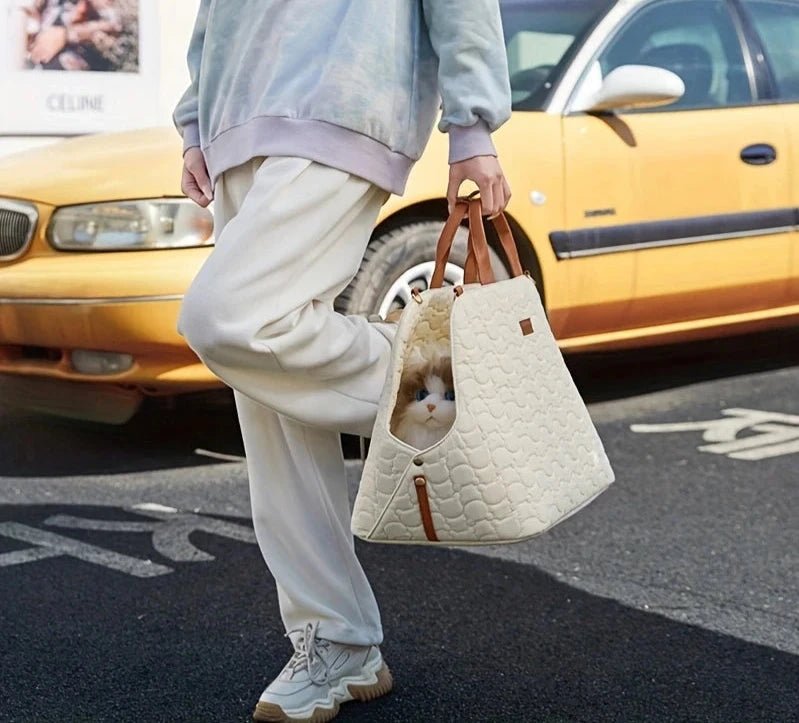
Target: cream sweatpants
column 290, row 235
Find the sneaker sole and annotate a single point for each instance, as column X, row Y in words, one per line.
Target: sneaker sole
column 273, row 713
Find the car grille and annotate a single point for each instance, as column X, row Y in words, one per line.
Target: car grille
column 17, row 224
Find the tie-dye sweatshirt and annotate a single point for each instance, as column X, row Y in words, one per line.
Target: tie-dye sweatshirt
column 353, row 84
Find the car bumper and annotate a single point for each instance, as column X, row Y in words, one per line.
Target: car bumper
column 133, row 310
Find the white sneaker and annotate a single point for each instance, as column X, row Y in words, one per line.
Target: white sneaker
column 320, row 676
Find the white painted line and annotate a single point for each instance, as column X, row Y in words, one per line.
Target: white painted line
column 772, row 450
column 219, row 455
column 776, row 434
column 153, row 507
column 169, row 528
column 170, row 531
column 770, row 435
column 83, row 523
column 18, row 557
column 58, row 545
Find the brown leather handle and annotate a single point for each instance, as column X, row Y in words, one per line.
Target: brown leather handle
column 445, row 240
column 478, row 261
column 479, row 245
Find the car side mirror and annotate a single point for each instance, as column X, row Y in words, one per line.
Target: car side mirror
column 628, row 86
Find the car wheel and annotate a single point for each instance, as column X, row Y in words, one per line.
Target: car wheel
column 399, row 260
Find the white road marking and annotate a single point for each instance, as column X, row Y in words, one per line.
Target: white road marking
column 153, row 507
column 30, row 555
column 219, row 455
column 772, row 441
column 777, row 434
column 170, row 532
column 51, row 545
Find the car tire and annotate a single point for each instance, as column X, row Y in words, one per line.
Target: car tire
column 400, row 259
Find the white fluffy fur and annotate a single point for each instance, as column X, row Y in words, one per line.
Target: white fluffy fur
column 417, row 424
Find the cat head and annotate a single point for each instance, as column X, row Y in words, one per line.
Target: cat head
column 426, row 397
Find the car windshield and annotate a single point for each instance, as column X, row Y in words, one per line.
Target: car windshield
column 540, row 36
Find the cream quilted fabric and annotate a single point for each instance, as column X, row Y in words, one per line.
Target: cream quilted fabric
column 523, row 453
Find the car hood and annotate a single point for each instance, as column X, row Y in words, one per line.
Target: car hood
column 97, row 167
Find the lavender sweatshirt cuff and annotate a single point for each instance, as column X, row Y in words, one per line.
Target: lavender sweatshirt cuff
column 191, row 136
column 469, row 141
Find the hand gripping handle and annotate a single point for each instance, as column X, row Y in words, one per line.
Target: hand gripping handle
column 478, row 261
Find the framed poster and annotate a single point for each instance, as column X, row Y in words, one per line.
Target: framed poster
column 78, row 66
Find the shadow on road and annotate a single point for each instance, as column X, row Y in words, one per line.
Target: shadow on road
column 159, row 437
column 467, row 640
column 603, row 376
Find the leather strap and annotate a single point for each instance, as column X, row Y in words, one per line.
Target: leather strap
column 478, row 260
column 508, row 244
column 444, row 244
column 470, row 271
column 479, row 243
column 420, row 482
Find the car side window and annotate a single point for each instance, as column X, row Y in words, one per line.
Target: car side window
column 531, row 58
column 697, row 40
column 777, row 23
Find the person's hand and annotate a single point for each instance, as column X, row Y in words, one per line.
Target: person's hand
column 487, row 174
column 47, row 43
column 195, row 182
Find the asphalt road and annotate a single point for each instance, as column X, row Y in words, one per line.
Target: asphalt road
column 131, row 589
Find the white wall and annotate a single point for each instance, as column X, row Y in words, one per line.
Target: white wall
column 176, row 18
column 177, row 21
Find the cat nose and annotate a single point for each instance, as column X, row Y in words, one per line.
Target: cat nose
column 431, row 407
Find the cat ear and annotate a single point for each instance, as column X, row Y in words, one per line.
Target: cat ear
column 442, row 351
column 416, row 358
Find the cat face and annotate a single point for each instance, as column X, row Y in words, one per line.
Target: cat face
column 425, row 407
column 430, row 399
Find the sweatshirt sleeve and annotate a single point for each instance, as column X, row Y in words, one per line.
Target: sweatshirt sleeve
column 473, row 78
column 184, row 116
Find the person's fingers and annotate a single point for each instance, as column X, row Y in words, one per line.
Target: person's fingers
column 499, row 198
column 455, row 180
column 508, row 193
column 191, row 189
column 502, row 197
column 195, row 177
column 486, row 195
column 201, row 176
column 195, row 164
column 196, row 195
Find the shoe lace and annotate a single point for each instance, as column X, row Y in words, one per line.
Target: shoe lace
column 306, row 652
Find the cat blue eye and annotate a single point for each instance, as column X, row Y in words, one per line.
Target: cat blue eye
column 450, row 395
column 421, row 394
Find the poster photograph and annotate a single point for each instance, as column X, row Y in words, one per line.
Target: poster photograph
column 78, row 66
column 101, row 35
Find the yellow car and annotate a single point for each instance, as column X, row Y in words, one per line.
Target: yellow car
column 653, row 155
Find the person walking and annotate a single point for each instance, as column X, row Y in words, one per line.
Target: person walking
column 300, row 120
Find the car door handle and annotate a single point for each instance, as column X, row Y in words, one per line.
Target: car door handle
column 759, row 154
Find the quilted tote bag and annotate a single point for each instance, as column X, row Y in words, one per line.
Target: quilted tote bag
column 522, row 453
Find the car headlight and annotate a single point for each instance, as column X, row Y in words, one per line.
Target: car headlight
column 127, row 225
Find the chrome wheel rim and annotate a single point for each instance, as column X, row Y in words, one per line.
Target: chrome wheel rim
column 419, row 276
